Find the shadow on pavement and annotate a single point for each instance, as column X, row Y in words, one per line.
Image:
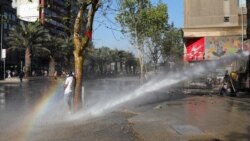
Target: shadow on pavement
column 242, row 104
column 235, row 136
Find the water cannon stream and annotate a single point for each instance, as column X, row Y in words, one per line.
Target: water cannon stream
column 158, row 83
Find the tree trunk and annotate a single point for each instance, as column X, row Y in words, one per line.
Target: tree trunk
column 52, row 65
column 116, row 69
column 155, row 64
column 141, row 57
column 78, row 59
column 80, row 45
column 155, row 58
column 142, row 76
column 27, row 62
column 79, row 77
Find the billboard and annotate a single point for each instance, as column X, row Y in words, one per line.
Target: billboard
column 195, row 49
column 29, row 11
column 3, row 53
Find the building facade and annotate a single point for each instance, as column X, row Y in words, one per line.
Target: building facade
column 8, row 20
column 53, row 14
column 214, row 28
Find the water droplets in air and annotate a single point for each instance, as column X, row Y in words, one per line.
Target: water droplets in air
column 163, row 80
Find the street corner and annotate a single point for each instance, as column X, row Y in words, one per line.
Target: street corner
column 197, row 118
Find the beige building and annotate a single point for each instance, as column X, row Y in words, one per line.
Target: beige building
column 213, row 28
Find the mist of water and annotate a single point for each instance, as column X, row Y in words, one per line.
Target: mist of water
column 160, row 82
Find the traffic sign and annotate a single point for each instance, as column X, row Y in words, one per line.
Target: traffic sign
column 3, row 53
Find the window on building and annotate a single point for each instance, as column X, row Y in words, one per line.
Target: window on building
column 226, row 19
column 242, row 3
column 13, row 17
column 5, row 26
column 5, row 35
column 5, row 14
column 9, row 15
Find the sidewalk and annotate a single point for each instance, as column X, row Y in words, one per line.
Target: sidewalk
column 198, row 118
column 12, row 80
column 17, row 80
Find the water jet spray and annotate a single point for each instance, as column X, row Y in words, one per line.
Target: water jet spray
column 158, row 83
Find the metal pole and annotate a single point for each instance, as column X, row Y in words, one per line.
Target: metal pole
column 2, row 44
column 242, row 29
column 1, row 34
column 3, row 69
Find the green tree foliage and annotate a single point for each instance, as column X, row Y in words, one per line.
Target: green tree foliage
column 156, row 19
column 29, row 37
column 131, row 18
column 101, row 60
column 148, row 27
column 129, row 61
column 89, row 63
column 172, row 45
column 60, row 53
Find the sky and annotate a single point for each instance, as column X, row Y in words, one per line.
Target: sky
column 107, row 30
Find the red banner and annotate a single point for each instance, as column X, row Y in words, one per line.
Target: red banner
column 88, row 34
column 195, row 49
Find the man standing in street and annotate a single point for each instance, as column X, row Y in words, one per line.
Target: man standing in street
column 69, row 87
column 21, row 75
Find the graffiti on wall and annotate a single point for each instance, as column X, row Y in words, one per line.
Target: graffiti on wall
column 217, row 47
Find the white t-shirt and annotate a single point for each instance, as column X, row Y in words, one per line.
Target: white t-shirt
column 69, row 83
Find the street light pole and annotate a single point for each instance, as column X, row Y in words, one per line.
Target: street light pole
column 242, row 4
column 3, row 51
column 2, row 44
column 242, row 29
column 1, row 34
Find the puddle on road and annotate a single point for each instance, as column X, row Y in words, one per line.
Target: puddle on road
column 2, row 98
column 1, row 88
column 205, row 139
column 187, row 130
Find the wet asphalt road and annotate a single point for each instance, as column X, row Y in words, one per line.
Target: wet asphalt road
column 35, row 111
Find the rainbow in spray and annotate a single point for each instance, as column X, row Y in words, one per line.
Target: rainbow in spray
column 48, row 97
